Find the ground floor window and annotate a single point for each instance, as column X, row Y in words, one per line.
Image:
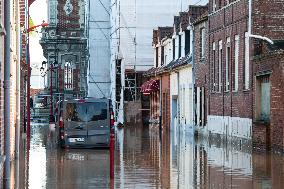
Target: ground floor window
column 200, row 106
column 263, row 98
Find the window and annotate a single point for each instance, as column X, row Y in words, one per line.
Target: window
column 179, row 46
column 228, row 64
column 213, row 67
column 246, row 62
column 202, row 43
column 214, row 6
column 174, row 48
column 220, row 4
column 236, row 65
column 213, row 84
column 86, row 112
column 263, row 96
column 220, row 65
column 68, row 75
column 162, row 55
column 157, row 57
column 187, row 42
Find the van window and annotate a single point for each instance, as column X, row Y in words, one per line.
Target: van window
column 86, row 112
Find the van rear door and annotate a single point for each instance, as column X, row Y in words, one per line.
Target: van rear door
column 75, row 123
column 98, row 121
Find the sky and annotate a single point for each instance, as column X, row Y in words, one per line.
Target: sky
column 38, row 13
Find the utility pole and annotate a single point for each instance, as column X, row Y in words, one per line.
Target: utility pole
column 7, row 24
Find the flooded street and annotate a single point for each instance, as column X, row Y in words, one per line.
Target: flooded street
column 146, row 158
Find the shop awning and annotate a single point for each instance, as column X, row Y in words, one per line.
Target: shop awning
column 150, row 86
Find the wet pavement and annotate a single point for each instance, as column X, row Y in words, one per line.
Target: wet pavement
column 146, row 158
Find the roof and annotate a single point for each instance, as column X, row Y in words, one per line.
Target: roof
column 187, row 60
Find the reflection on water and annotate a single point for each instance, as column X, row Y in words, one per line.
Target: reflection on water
column 147, row 158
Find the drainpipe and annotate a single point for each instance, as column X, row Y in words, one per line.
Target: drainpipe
column 160, row 117
column 18, row 82
column 7, row 93
column 193, row 77
column 250, row 28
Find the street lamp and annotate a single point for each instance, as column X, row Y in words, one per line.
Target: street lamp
column 52, row 68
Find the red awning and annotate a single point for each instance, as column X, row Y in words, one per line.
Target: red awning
column 150, row 86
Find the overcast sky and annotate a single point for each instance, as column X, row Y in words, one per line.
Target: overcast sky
column 38, row 13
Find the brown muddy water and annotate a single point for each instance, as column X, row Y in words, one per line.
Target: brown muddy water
column 146, row 158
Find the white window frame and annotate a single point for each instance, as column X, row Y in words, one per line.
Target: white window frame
column 246, row 66
column 68, row 75
column 214, row 65
column 237, row 49
column 202, row 42
column 227, row 79
column 182, row 44
column 220, row 53
column 214, row 6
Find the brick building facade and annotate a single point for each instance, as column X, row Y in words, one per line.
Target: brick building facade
column 201, row 68
column 64, row 44
column 230, row 79
column 160, row 77
column 268, row 66
column 14, row 78
column 246, row 72
column 23, row 61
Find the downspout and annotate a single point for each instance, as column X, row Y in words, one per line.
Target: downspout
column 250, row 28
column 18, row 101
column 18, row 82
column 160, row 117
column 193, row 78
column 7, row 60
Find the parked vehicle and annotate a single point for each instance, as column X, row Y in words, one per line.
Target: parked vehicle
column 85, row 123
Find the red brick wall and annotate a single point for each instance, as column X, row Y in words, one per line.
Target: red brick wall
column 274, row 63
column 268, row 18
column 224, row 23
column 24, row 68
column 68, row 23
column 201, row 66
column 166, row 118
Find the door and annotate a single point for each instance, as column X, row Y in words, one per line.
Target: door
column 98, row 123
column 265, row 99
column 74, row 124
column 174, row 113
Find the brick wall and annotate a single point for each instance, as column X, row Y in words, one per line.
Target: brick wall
column 23, row 63
column 273, row 132
column 225, row 23
column 68, row 23
column 201, row 66
column 268, row 18
column 166, row 117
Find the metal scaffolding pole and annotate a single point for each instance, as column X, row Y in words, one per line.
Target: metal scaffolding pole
column 7, row 93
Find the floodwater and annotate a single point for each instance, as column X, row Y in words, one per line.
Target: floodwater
column 146, row 158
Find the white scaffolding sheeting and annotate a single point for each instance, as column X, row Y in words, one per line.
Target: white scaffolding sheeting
column 99, row 81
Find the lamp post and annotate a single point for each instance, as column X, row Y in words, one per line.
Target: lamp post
column 52, row 68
